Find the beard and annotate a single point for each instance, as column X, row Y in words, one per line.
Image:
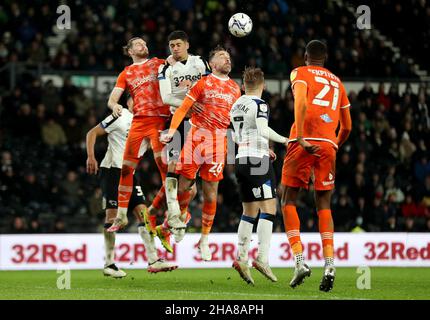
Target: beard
column 141, row 55
column 225, row 69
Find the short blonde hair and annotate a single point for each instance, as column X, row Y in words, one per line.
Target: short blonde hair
column 253, row 77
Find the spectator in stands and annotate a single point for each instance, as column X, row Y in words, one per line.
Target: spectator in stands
column 52, row 133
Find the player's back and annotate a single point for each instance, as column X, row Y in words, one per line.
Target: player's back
column 141, row 81
column 243, row 116
column 325, row 97
column 117, row 130
column 217, row 96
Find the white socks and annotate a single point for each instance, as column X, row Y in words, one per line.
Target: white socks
column 172, row 195
column 264, row 231
column 244, row 233
column 109, row 238
column 148, row 241
column 299, row 260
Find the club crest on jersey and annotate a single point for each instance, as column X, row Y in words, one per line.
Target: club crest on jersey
column 326, row 118
column 256, row 192
column 263, row 107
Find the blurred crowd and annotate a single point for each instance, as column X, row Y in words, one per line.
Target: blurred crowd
column 382, row 182
column 383, row 171
column 281, row 29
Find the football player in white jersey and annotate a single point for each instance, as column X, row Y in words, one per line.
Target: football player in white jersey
column 254, row 171
column 175, row 79
column 117, row 129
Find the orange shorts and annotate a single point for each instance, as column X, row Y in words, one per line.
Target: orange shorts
column 299, row 165
column 205, row 152
column 144, row 132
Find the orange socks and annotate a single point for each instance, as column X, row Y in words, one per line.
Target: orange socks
column 326, row 231
column 292, row 227
column 125, row 187
column 159, row 199
column 208, row 216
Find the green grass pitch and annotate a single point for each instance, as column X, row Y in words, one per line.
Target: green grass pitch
column 213, row 284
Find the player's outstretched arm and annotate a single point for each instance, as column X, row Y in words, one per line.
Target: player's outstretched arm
column 264, row 130
column 113, row 102
column 165, row 84
column 92, row 165
column 116, row 94
column 178, row 116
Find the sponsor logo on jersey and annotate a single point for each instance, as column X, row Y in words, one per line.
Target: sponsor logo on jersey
column 326, row 118
column 139, row 81
column 212, row 94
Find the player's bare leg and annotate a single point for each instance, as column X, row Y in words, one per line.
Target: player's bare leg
column 155, row 264
column 110, row 269
column 325, row 223
column 292, row 228
column 210, row 194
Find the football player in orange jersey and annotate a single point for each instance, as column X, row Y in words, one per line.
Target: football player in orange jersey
column 150, row 116
column 205, row 147
column 320, row 103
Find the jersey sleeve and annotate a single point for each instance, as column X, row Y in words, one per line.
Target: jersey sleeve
column 344, row 101
column 204, row 67
column 121, row 83
column 297, row 76
column 262, row 110
column 109, row 124
column 196, row 90
column 163, row 71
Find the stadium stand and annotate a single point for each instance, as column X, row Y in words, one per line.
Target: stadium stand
column 383, row 178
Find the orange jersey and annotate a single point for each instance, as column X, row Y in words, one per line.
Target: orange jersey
column 326, row 95
column 140, row 79
column 217, row 96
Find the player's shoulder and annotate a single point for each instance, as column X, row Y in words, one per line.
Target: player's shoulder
column 156, row 61
column 260, row 104
column 163, row 70
column 234, row 84
column 297, row 73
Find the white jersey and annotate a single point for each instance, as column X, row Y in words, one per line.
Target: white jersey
column 170, row 78
column 243, row 116
column 117, row 130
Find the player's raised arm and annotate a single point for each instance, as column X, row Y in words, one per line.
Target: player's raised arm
column 164, row 74
column 182, row 111
column 116, row 94
column 92, row 165
column 345, row 120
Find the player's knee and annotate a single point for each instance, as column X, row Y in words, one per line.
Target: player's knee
column 126, row 170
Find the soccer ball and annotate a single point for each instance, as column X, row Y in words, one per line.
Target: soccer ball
column 240, row 25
